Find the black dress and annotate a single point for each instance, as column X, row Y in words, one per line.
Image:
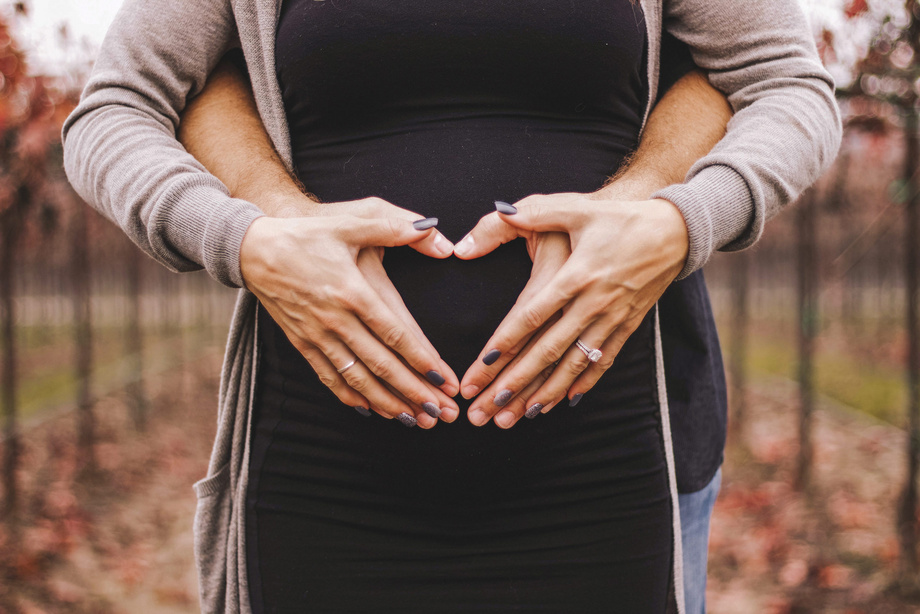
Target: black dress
column 443, row 107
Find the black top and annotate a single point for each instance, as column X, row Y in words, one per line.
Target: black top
column 398, row 102
column 443, row 107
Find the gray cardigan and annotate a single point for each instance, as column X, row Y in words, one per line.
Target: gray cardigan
column 122, row 156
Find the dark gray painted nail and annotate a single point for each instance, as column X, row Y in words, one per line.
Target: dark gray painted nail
column 425, row 224
column 407, row 420
column 435, row 378
column 431, row 409
column 491, row 357
column 502, row 398
column 574, row 400
column 503, row 207
column 363, row 411
column 534, row 410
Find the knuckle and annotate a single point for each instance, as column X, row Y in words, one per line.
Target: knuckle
column 350, row 295
column 577, row 365
column 355, row 380
column 606, row 361
column 394, row 337
column 328, row 380
column 532, row 317
column 382, row 369
column 549, row 352
column 394, row 226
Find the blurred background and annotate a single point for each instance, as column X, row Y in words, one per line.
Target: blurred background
column 109, row 364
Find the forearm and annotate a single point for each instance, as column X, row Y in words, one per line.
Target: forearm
column 690, row 118
column 221, row 127
column 120, row 150
column 682, row 128
column 786, row 129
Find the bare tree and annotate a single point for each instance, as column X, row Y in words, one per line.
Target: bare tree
column 738, row 341
column 83, row 331
column 806, row 229
column 134, row 337
column 11, row 226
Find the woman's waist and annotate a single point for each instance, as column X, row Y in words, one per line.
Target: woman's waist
column 456, row 173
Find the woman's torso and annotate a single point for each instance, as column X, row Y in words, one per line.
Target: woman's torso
column 443, row 107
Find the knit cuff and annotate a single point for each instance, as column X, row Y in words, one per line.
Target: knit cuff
column 207, row 227
column 717, row 207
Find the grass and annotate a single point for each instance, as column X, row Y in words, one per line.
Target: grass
column 872, row 387
column 47, row 380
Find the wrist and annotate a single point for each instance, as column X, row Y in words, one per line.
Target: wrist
column 634, row 184
column 251, row 248
column 674, row 232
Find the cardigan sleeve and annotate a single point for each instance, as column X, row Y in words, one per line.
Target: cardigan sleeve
column 120, row 147
column 786, row 129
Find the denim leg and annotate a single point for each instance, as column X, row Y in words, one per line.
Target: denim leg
column 695, row 512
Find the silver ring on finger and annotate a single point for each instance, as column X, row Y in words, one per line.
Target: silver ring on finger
column 348, row 366
column 593, row 354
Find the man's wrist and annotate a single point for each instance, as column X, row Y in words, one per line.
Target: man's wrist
column 634, row 184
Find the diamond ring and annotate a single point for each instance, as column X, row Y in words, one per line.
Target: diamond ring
column 593, row 355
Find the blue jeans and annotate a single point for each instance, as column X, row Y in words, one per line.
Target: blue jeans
column 695, row 512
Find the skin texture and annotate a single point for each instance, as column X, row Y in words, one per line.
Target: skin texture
column 601, row 260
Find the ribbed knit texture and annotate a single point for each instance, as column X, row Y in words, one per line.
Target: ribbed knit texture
column 121, row 156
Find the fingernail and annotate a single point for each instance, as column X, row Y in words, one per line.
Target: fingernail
column 533, row 411
column 502, row 398
column 574, row 400
column 504, row 419
column 425, row 224
column 435, row 378
column 465, row 246
column 503, row 207
column 470, row 391
column 491, row 357
column 477, row 417
column 407, row 420
column 431, row 409
column 363, row 411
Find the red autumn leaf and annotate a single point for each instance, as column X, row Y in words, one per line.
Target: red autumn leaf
column 855, row 7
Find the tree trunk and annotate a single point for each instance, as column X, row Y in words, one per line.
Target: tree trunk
column 808, row 319
column 11, row 445
column 907, row 515
column 80, row 274
column 740, row 279
column 134, row 339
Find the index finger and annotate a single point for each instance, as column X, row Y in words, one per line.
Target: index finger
column 524, row 320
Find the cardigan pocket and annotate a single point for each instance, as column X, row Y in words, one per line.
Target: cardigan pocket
column 211, row 530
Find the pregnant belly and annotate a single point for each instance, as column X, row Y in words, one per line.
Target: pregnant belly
column 457, row 303
column 455, row 170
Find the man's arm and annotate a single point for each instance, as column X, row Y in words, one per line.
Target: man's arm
column 222, row 129
column 786, row 129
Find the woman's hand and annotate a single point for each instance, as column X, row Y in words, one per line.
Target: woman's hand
column 624, row 255
column 321, row 279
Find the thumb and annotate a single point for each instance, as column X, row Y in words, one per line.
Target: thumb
column 384, row 232
column 489, row 233
column 542, row 214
